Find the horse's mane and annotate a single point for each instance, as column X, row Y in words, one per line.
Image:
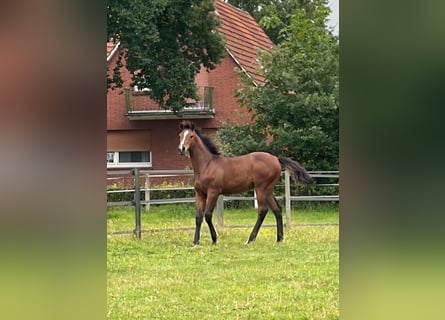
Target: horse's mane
column 208, row 143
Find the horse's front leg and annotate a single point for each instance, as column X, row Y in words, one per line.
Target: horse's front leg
column 212, row 198
column 200, row 202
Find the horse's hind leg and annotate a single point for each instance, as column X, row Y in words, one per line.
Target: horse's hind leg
column 262, row 211
column 277, row 211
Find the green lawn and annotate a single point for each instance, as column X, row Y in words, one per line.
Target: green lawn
column 163, row 277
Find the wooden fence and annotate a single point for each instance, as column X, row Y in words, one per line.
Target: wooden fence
column 148, row 189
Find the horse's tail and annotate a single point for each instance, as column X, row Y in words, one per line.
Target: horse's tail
column 296, row 170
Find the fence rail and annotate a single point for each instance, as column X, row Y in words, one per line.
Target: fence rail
column 137, row 202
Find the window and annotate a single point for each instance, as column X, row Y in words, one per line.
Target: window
column 128, row 159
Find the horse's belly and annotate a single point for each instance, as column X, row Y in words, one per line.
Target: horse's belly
column 237, row 185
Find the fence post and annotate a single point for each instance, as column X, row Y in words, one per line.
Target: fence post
column 287, row 198
column 137, row 202
column 220, row 211
column 147, row 192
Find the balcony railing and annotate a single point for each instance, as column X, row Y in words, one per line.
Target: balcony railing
column 141, row 107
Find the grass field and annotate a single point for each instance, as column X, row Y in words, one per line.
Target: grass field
column 163, row 277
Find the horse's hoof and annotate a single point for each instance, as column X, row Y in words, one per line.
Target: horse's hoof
column 194, row 245
column 249, row 241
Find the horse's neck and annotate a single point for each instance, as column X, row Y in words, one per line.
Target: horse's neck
column 200, row 157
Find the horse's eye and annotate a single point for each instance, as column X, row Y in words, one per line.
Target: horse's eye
column 191, row 137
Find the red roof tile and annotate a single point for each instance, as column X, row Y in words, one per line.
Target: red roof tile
column 110, row 46
column 244, row 37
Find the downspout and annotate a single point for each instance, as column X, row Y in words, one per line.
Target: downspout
column 128, row 105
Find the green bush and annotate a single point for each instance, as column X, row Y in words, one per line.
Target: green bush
column 171, row 194
column 118, row 196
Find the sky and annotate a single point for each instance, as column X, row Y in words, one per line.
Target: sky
column 333, row 20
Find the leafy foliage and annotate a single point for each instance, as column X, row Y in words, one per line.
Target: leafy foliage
column 274, row 15
column 164, row 43
column 298, row 105
column 240, row 139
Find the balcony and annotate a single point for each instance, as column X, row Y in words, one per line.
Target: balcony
column 141, row 107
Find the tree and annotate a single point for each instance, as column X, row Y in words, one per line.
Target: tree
column 164, row 43
column 298, row 104
column 241, row 139
column 274, row 14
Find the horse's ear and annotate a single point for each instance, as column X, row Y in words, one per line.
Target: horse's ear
column 186, row 125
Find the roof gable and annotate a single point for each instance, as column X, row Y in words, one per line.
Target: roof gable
column 244, row 37
column 111, row 49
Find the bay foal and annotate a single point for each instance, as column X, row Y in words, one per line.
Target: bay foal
column 215, row 175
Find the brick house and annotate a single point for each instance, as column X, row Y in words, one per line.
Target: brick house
column 141, row 134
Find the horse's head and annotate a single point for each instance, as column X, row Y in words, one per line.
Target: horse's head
column 186, row 136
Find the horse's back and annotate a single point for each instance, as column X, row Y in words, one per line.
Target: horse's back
column 265, row 165
column 254, row 161
column 264, row 156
